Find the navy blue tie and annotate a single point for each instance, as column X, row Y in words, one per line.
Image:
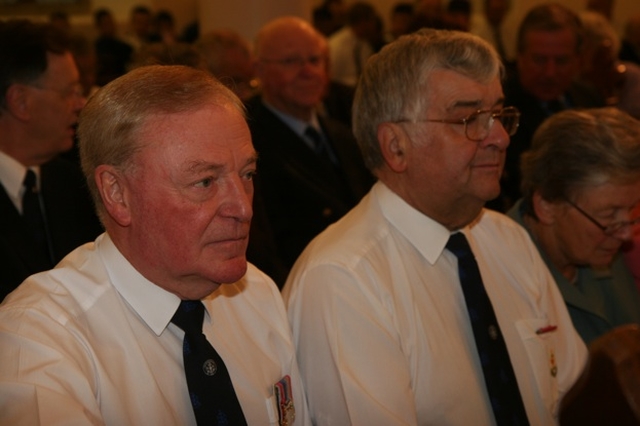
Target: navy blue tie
column 213, row 398
column 321, row 147
column 33, row 216
column 499, row 378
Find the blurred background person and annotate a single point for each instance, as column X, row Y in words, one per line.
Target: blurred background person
column 457, row 15
column 45, row 208
column 169, row 54
column 400, row 20
column 229, row 57
column 618, row 82
column 60, row 19
column 581, row 181
column 113, row 55
column 141, row 29
column 428, row 14
column 488, row 24
column 164, row 25
column 350, row 47
column 311, row 171
column 543, row 82
column 84, row 56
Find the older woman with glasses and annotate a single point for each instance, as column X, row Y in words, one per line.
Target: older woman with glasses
column 581, row 182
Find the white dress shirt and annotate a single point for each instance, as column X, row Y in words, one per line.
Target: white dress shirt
column 347, row 56
column 90, row 342
column 12, row 174
column 382, row 333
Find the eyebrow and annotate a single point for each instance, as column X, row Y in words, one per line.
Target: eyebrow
column 199, row 166
column 473, row 104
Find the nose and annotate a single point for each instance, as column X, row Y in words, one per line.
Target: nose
column 497, row 136
column 239, row 200
column 79, row 102
column 625, row 233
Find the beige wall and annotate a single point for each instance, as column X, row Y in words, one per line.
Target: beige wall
column 247, row 16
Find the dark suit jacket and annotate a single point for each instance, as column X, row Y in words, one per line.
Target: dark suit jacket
column 532, row 113
column 70, row 217
column 301, row 194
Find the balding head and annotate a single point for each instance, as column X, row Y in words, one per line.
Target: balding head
column 292, row 66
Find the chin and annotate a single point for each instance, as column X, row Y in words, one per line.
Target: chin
column 229, row 271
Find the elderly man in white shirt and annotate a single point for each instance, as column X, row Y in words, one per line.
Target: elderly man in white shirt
column 99, row 339
column 384, row 331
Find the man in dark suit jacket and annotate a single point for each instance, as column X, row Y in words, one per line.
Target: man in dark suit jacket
column 305, row 182
column 41, row 99
column 544, row 81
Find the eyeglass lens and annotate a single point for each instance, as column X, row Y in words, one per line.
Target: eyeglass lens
column 479, row 124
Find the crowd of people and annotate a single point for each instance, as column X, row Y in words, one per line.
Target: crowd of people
column 329, row 224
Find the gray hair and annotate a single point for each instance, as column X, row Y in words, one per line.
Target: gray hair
column 573, row 150
column 393, row 84
column 109, row 123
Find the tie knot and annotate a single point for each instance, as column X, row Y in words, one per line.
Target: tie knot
column 315, row 136
column 458, row 245
column 189, row 316
column 30, row 181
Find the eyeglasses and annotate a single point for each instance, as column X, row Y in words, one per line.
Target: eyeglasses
column 610, row 229
column 297, row 62
column 73, row 91
column 477, row 125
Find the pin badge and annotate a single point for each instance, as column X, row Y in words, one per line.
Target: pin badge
column 493, row 332
column 209, row 367
column 553, row 365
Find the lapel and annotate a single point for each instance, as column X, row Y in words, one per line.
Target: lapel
column 283, row 148
column 15, row 236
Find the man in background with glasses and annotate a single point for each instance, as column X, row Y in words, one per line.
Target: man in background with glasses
column 45, row 209
column 311, row 172
column 581, row 183
column 385, row 329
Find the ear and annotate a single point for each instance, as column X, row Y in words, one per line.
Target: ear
column 393, row 145
column 545, row 210
column 18, row 99
column 113, row 191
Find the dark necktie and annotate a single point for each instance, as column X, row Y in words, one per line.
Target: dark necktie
column 212, row 395
column 34, row 219
column 320, row 146
column 499, row 377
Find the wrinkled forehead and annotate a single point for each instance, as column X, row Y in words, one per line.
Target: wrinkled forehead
column 450, row 90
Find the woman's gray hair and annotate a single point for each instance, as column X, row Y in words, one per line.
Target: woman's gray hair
column 577, row 149
column 393, row 85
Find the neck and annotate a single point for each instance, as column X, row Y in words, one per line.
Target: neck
column 548, row 243
column 452, row 214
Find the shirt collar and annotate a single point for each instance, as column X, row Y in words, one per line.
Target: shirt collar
column 298, row 126
column 152, row 303
column 12, row 174
column 427, row 236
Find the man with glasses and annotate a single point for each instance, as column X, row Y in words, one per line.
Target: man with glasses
column 386, row 328
column 45, row 210
column 581, row 183
column 310, row 170
column 545, row 81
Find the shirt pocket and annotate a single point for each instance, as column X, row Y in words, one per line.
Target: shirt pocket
column 539, row 340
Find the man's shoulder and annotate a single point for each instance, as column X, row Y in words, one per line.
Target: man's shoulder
column 497, row 229
column 63, row 292
column 349, row 240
